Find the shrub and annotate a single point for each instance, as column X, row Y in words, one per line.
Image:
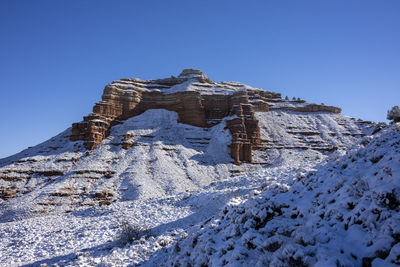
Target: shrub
column 127, row 233
column 394, row 114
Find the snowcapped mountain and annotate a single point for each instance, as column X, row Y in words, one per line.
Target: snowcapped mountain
column 164, row 156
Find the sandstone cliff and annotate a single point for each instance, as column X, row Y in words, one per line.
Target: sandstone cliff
column 198, row 101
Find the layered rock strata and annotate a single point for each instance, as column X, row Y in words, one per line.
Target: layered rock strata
column 198, row 101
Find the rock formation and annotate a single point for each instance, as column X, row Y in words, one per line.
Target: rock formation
column 262, row 126
column 198, row 101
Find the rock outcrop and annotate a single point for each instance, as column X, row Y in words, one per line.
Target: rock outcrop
column 198, row 101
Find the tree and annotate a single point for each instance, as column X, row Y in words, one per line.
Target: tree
column 394, row 114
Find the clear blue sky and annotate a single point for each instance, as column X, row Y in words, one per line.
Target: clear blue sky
column 57, row 56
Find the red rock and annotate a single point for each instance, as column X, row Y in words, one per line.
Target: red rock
column 205, row 106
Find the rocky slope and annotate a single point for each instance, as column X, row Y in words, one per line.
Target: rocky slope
column 164, row 154
column 346, row 213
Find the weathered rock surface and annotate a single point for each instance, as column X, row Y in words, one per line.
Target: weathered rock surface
column 198, row 101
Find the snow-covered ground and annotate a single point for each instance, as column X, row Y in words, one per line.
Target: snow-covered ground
column 345, row 213
column 173, row 179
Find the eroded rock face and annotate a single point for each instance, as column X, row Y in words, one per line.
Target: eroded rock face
column 198, row 101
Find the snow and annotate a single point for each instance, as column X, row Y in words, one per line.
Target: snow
column 286, row 126
column 287, row 104
column 176, row 182
column 191, row 85
column 346, row 213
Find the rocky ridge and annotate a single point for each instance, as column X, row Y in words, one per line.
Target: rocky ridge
column 197, row 99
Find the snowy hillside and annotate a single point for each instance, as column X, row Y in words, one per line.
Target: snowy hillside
column 345, row 213
column 66, row 205
column 158, row 159
column 165, row 158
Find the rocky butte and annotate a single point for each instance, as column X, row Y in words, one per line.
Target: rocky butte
column 198, row 100
column 168, row 155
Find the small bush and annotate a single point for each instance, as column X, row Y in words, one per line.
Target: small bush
column 128, row 232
